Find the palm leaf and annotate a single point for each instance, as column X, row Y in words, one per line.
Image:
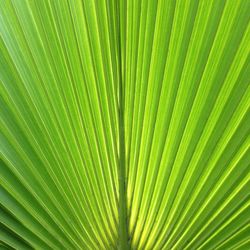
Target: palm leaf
column 124, row 124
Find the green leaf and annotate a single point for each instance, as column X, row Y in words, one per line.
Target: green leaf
column 124, row 124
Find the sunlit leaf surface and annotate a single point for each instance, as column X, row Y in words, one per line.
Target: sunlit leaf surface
column 125, row 124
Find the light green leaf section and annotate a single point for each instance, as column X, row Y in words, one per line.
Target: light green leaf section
column 124, row 124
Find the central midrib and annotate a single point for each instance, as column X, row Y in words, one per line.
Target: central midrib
column 122, row 210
